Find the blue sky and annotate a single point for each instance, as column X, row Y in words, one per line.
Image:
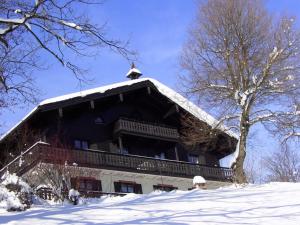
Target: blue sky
column 156, row 29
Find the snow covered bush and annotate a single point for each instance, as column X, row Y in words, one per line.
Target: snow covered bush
column 74, row 196
column 15, row 194
column 199, row 182
column 9, row 200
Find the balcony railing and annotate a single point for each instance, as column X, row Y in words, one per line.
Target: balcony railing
column 47, row 193
column 112, row 161
column 145, row 129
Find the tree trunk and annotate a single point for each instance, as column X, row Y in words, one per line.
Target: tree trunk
column 240, row 176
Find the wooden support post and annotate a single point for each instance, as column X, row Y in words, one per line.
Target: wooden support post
column 92, row 103
column 121, row 97
column 176, row 153
column 149, row 90
column 171, row 111
column 120, row 144
column 60, row 112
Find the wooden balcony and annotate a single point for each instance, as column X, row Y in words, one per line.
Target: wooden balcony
column 145, row 129
column 111, row 161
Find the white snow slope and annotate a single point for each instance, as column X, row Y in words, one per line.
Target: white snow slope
column 274, row 203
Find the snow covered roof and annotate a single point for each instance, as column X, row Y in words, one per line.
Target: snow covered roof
column 164, row 90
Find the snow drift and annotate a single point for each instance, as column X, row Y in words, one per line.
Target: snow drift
column 274, row 203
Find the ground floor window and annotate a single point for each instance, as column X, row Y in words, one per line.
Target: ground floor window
column 86, row 184
column 128, row 187
column 164, row 187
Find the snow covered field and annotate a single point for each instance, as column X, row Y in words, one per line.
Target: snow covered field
column 275, row 203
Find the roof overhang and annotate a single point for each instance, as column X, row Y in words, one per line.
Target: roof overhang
column 107, row 90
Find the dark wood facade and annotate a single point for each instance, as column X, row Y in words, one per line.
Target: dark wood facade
column 122, row 129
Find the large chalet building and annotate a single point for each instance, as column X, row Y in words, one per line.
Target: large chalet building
column 126, row 136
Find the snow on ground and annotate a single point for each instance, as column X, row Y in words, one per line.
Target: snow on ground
column 274, row 203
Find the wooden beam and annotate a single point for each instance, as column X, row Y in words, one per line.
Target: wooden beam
column 121, row 97
column 176, row 153
column 120, row 144
column 149, row 90
column 60, row 112
column 92, row 104
column 172, row 110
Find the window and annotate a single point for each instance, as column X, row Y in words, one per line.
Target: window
column 86, row 184
column 81, row 185
column 84, row 145
column 124, row 151
column 202, row 159
column 77, row 144
column 99, row 120
column 80, row 144
column 128, row 187
column 164, row 187
column 193, row 158
column 161, row 155
column 136, row 115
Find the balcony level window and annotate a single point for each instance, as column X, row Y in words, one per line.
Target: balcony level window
column 161, row 155
column 124, row 151
column 80, row 144
column 192, row 158
column 99, row 120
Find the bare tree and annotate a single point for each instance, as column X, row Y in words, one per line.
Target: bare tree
column 283, row 165
column 242, row 62
column 287, row 125
column 17, row 143
column 194, row 131
column 28, row 28
column 254, row 168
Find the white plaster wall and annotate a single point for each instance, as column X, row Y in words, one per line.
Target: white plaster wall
column 147, row 181
column 108, row 177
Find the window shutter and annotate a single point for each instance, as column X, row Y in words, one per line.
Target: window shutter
column 117, row 186
column 73, row 182
column 202, row 159
column 97, row 185
column 138, row 189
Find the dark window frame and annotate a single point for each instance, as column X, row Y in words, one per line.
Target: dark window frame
column 137, row 188
column 76, row 182
column 164, row 187
column 99, row 120
column 193, row 158
column 81, row 144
